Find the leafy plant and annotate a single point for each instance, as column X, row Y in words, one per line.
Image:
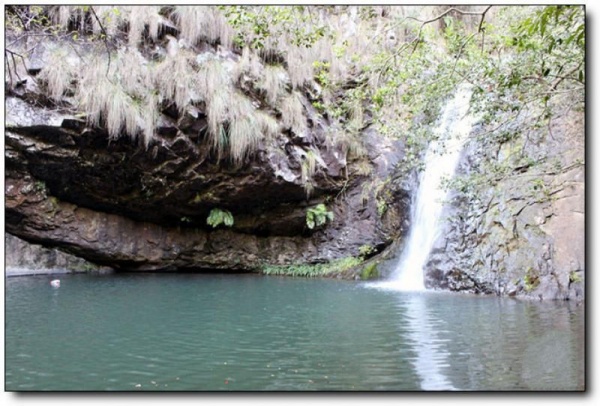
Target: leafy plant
column 313, row 270
column 366, row 250
column 317, row 216
column 217, row 217
column 532, row 279
column 574, row 277
column 381, row 206
column 370, row 271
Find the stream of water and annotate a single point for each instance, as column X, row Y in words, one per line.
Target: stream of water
column 440, row 163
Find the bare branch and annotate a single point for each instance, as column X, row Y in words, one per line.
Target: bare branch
column 482, row 14
column 480, row 28
column 566, row 76
column 8, row 69
column 105, row 37
column 14, row 62
column 18, row 15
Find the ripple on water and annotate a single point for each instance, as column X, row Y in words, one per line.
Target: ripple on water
column 187, row 332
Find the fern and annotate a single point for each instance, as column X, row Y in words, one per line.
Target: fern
column 217, row 217
column 318, row 216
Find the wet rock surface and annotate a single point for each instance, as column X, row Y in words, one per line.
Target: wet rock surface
column 525, row 237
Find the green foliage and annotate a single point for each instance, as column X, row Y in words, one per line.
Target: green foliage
column 264, row 26
column 217, row 217
column 318, row 216
column 313, row 270
column 366, row 250
column 321, row 70
column 574, row 277
column 381, row 207
column 370, row 271
column 40, row 186
column 531, row 279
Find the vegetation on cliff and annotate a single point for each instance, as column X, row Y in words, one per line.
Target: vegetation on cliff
column 235, row 82
column 388, row 66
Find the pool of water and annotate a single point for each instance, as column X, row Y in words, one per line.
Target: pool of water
column 190, row 332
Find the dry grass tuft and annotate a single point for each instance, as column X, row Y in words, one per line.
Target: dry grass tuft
column 292, row 113
column 268, row 124
column 127, row 99
column 217, row 113
column 212, row 78
column 308, row 169
column 249, row 64
column 61, row 15
column 59, row 73
column 139, row 18
column 245, row 128
column 203, row 22
column 273, row 83
column 176, row 78
column 123, row 100
column 300, row 66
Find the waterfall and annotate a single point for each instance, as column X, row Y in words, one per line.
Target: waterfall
column 440, row 162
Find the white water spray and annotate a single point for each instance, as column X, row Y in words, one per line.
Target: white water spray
column 452, row 131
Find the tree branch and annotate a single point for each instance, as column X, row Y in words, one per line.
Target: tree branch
column 12, row 56
column 105, row 37
column 480, row 28
column 16, row 11
column 566, row 76
column 482, row 14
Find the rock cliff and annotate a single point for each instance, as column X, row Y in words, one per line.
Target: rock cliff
column 525, row 235
column 119, row 203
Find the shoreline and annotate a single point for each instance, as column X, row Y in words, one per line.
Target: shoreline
column 11, row 272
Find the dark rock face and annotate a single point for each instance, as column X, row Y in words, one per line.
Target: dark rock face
column 118, row 204
column 525, row 236
column 23, row 258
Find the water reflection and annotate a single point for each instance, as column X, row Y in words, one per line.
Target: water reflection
column 425, row 331
column 174, row 332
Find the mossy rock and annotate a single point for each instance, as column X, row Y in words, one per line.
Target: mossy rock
column 370, row 271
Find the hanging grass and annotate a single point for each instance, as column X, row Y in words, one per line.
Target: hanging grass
column 124, row 91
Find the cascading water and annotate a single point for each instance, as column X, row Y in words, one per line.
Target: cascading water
column 440, row 162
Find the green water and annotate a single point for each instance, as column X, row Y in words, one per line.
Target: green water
column 246, row 332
